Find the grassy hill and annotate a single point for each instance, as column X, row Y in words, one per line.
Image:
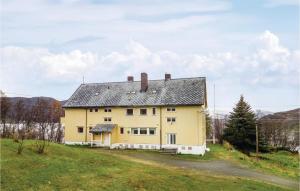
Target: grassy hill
column 74, row 168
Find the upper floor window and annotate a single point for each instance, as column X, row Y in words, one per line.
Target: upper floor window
column 96, row 110
column 91, row 110
column 129, row 111
column 121, row 130
column 171, row 119
column 80, row 129
column 107, row 118
column 171, row 109
column 107, row 110
column 143, row 111
column 153, row 111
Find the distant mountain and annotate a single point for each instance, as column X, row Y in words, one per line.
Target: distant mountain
column 284, row 115
column 30, row 102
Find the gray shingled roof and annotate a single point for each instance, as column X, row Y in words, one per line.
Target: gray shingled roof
column 99, row 128
column 184, row 91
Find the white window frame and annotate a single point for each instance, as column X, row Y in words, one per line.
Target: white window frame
column 107, row 110
column 107, row 119
column 171, row 139
column 172, row 120
column 132, row 111
column 171, row 109
column 144, row 109
column 153, row 129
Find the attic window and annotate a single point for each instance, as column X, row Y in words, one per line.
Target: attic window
column 153, row 91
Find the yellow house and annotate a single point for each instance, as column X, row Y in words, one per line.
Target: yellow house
column 146, row 114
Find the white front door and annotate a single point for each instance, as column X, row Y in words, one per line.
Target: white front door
column 171, row 138
column 106, row 139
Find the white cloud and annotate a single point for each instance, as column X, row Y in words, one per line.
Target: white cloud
column 275, row 3
column 270, row 64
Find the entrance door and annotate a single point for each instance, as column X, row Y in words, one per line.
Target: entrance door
column 171, row 139
column 106, row 139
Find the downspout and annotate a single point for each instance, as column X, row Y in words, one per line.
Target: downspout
column 86, row 125
column 160, row 128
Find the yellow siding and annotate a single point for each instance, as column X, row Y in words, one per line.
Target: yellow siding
column 189, row 126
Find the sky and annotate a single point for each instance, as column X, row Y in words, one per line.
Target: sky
column 248, row 48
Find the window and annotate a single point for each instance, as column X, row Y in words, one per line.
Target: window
column 107, row 110
column 143, row 111
column 171, row 109
column 107, row 118
column 80, row 129
column 91, row 110
column 171, row 138
column 121, row 130
column 151, row 131
column 90, row 128
column 171, row 119
column 143, row 131
column 129, row 112
column 135, row 131
column 153, row 111
column 96, row 110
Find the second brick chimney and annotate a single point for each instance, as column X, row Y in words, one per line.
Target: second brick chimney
column 167, row 77
column 144, row 82
column 130, row 78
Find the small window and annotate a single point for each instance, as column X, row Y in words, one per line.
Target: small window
column 96, row 110
column 107, row 110
column 121, row 130
column 153, row 111
column 129, row 111
column 135, row 131
column 107, row 118
column 143, row 111
column 171, row 119
column 171, row 109
column 91, row 110
column 90, row 128
column 151, row 131
column 143, row 131
column 80, row 129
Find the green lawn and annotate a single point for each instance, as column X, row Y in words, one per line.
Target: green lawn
column 75, row 168
column 280, row 163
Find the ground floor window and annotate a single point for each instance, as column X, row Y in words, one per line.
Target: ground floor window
column 135, row 131
column 143, row 131
column 151, row 131
column 171, row 138
column 80, row 129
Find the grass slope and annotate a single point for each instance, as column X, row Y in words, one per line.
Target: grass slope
column 72, row 168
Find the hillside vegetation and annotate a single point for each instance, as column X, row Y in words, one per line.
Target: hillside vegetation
column 73, row 168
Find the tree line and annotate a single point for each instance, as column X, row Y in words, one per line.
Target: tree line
column 39, row 121
column 239, row 128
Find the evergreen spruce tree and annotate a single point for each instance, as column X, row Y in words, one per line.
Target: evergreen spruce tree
column 240, row 131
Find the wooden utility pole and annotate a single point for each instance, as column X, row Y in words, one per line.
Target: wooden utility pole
column 214, row 118
column 256, row 141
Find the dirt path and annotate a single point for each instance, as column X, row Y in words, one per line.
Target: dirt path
column 220, row 167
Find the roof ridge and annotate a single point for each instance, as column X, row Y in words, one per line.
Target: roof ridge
column 188, row 78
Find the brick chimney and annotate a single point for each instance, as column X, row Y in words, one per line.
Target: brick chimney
column 144, row 82
column 130, row 78
column 167, row 77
